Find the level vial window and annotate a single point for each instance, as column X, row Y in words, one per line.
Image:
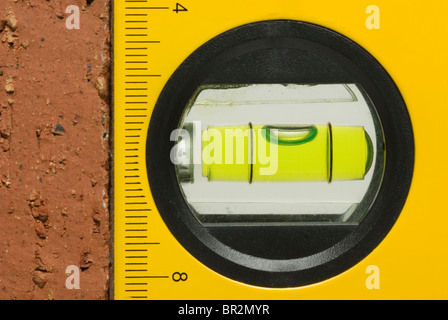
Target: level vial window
column 279, row 153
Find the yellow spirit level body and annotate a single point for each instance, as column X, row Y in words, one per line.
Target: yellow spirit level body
column 151, row 41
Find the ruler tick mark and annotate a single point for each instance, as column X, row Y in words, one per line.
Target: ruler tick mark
column 141, row 243
column 143, row 75
column 142, row 41
column 136, row 237
column 136, row 270
column 136, row 217
column 147, row 8
column 147, row 277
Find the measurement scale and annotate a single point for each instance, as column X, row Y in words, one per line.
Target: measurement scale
column 154, row 249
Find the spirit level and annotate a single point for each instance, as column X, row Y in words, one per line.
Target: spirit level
column 307, row 153
column 304, row 153
column 335, row 100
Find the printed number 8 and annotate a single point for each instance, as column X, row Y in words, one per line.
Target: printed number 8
column 177, row 276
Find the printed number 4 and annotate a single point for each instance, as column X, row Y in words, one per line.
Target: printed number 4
column 179, row 8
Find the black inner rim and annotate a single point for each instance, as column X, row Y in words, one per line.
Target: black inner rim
column 281, row 256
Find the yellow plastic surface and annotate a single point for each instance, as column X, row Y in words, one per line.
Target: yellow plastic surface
column 412, row 260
